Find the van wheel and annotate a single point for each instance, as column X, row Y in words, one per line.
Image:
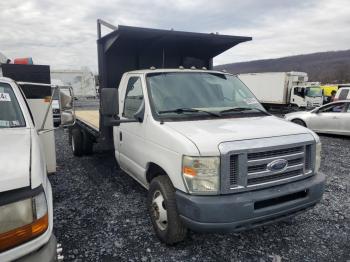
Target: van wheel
column 161, row 205
column 77, row 142
column 299, row 122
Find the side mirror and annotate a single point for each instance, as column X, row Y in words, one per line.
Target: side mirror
column 139, row 115
column 66, row 98
column 67, row 106
column 109, row 102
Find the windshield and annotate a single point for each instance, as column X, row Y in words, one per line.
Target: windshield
column 10, row 112
column 207, row 93
column 313, row 91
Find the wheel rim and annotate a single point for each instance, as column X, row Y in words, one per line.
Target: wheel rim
column 73, row 147
column 160, row 213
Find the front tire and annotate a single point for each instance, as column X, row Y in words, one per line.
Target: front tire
column 161, row 203
column 299, row 122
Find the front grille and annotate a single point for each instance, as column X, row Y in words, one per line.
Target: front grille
column 308, row 157
column 245, row 167
column 273, row 153
column 233, row 170
column 263, row 167
column 274, row 177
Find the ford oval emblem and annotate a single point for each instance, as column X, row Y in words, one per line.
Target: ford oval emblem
column 277, row 165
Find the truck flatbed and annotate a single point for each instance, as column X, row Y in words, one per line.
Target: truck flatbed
column 89, row 120
column 89, row 117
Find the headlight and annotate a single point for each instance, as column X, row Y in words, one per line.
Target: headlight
column 22, row 221
column 201, row 174
column 318, row 156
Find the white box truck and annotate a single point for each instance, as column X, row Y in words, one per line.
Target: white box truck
column 211, row 158
column 283, row 89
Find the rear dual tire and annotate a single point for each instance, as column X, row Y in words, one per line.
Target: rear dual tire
column 81, row 142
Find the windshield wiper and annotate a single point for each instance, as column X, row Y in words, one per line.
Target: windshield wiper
column 189, row 110
column 240, row 109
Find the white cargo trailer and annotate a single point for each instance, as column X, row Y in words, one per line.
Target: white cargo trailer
column 280, row 89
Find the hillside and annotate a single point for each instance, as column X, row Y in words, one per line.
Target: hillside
column 326, row 67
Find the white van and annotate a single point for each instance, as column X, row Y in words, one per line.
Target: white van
column 26, row 204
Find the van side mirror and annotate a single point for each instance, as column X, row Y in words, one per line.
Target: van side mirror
column 66, row 97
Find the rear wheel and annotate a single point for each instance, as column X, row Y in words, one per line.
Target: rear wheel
column 87, row 143
column 77, row 142
column 299, row 122
column 162, row 207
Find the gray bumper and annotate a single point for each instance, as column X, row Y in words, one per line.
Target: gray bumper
column 46, row 253
column 246, row 210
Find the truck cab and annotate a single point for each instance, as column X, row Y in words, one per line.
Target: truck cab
column 307, row 96
column 26, row 213
column 211, row 157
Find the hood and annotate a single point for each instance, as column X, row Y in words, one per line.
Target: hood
column 208, row 134
column 14, row 158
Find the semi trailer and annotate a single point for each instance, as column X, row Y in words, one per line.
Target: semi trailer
column 210, row 156
column 284, row 89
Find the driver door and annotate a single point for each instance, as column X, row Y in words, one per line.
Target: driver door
column 131, row 136
column 328, row 118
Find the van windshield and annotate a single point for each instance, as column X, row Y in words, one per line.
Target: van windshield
column 10, row 112
column 183, row 94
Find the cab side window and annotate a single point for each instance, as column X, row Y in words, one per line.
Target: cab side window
column 133, row 97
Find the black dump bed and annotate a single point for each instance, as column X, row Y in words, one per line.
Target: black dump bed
column 132, row 48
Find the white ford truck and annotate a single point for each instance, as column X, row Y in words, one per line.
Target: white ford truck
column 26, row 204
column 211, row 157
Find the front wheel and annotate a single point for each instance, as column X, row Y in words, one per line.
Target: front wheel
column 299, row 122
column 162, row 207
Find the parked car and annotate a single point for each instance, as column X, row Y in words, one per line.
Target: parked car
column 333, row 118
column 343, row 94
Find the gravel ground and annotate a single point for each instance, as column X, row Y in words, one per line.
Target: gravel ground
column 100, row 215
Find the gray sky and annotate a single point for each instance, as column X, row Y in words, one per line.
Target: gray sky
column 63, row 33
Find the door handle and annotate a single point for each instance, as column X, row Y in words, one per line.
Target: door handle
column 120, row 136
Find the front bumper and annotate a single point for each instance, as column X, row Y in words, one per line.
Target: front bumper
column 240, row 211
column 48, row 252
